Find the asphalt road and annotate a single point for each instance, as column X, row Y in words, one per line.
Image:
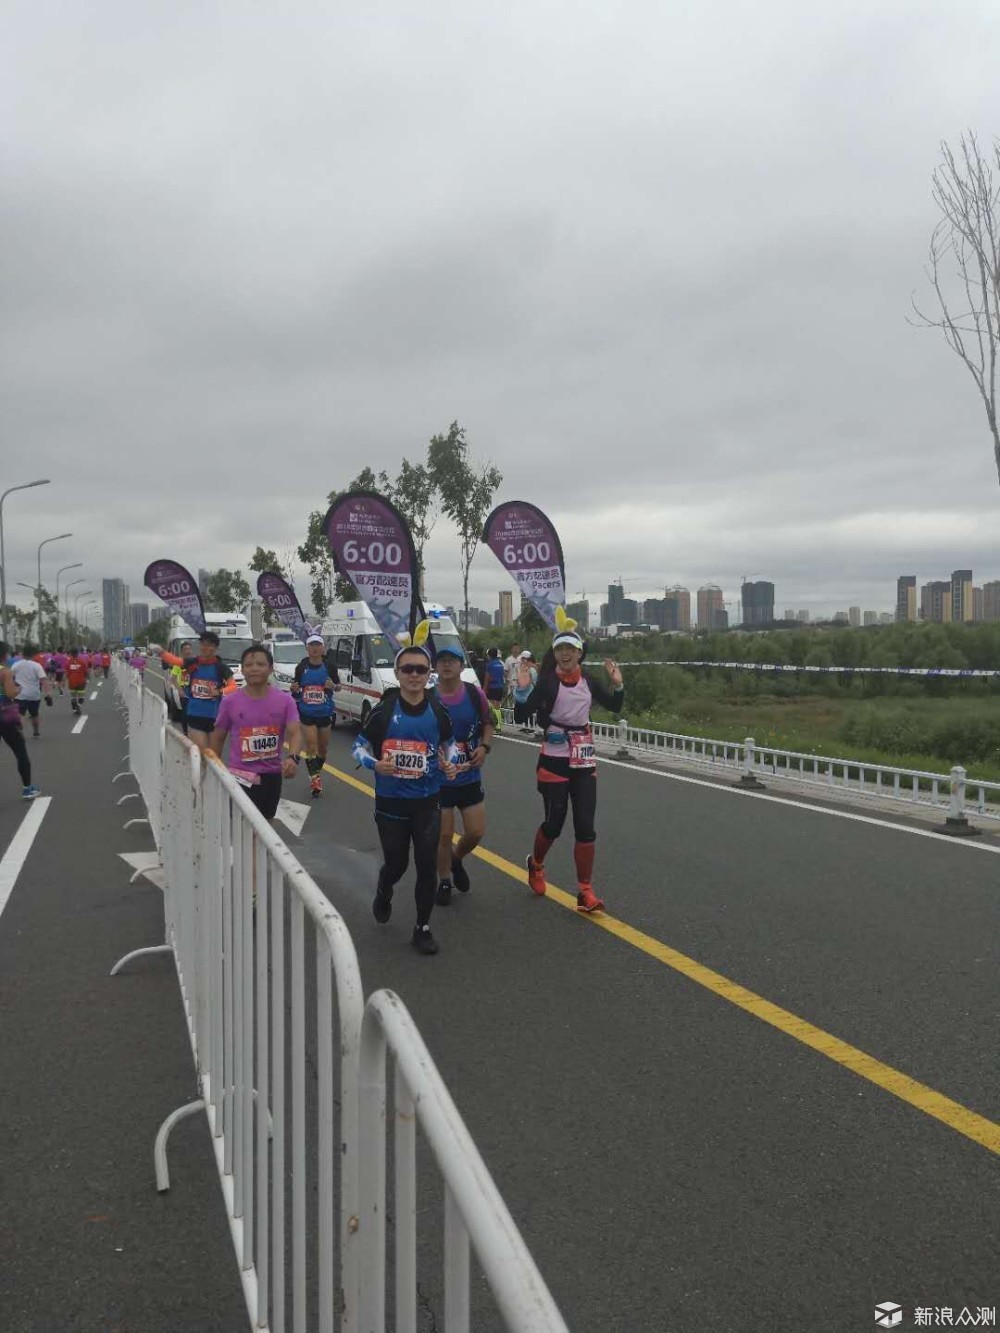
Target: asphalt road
column 675, row 1162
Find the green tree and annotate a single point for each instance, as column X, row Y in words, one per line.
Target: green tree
column 466, row 493
column 155, row 632
column 227, row 590
column 531, row 621
column 415, row 496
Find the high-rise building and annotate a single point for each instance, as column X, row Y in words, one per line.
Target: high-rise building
column 991, row 601
column 138, row 617
column 662, row 613
column 977, row 605
column 116, row 618
column 885, row 617
column 506, row 608
column 906, row 597
column 961, row 595
column 789, row 615
column 854, row 617
column 616, row 604
column 935, row 601
column 758, row 603
column 580, row 612
column 709, row 601
column 802, row 615
column 683, row 599
column 871, row 617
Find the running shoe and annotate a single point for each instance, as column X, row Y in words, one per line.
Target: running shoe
column 587, row 900
column 443, row 896
column 423, row 941
column 316, row 786
column 382, row 907
column 459, row 875
column 29, row 793
column 536, row 876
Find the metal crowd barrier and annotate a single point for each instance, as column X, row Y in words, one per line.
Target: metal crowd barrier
column 954, row 794
column 269, row 980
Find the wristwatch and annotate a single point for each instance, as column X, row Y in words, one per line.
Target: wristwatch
column 297, row 758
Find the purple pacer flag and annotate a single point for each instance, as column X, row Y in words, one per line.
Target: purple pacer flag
column 372, row 547
column 526, row 543
column 279, row 597
column 173, row 584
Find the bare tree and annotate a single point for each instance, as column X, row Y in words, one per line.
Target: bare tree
column 964, row 265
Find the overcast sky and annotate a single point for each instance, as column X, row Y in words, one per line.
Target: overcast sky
column 657, row 259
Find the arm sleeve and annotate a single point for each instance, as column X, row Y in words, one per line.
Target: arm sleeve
column 612, row 700
column 171, row 659
column 368, row 746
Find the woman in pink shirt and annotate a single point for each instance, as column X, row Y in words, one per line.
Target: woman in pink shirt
column 259, row 720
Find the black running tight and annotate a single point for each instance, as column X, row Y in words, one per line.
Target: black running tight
column 14, row 736
column 423, row 829
column 580, row 789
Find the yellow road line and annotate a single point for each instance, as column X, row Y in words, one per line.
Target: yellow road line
column 957, row 1117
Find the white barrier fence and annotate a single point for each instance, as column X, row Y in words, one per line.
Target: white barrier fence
column 270, row 986
column 955, row 794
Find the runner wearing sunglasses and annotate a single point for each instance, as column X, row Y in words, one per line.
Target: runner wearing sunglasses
column 407, row 742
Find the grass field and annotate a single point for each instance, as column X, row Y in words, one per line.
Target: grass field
column 930, row 734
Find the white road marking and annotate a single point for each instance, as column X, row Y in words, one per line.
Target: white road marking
column 146, row 864
column 93, row 696
column 972, row 843
column 79, row 726
column 293, row 814
column 20, row 845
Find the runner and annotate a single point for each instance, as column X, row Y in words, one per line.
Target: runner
column 525, row 679
column 11, row 731
column 32, row 683
column 207, row 678
column 495, row 682
column 472, row 723
column 138, row 660
column 510, row 667
column 313, row 688
column 258, row 719
column 183, row 685
column 561, row 703
column 106, row 661
column 407, row 741
column 77, row 673
column 59, row 660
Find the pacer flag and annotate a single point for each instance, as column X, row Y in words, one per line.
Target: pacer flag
column 372, row 547
column 525, row 542
column 173, row 584
column 279, row 597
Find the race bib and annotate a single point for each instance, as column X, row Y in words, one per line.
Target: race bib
column 462, row 755
column 314, row 696
column 581, row 749
column 257, row 743
column 204, row 689
column 410, row 758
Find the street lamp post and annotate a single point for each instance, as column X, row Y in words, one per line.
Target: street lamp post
column 62, row 537
column 66, row 596
column 87, row 592
column 77, row 565
column 44, row 481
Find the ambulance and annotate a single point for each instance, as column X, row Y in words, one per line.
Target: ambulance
column 364, row 655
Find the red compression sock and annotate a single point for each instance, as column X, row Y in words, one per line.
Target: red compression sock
column 583, row 855
column 541, row 848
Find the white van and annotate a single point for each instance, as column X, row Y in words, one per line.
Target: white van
column 234, row 634
column 364, row 655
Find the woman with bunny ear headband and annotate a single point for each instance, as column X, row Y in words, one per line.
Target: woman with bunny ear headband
column 567, row 767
